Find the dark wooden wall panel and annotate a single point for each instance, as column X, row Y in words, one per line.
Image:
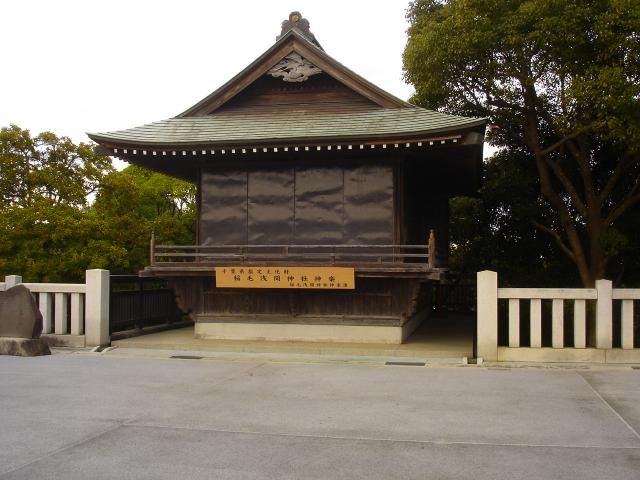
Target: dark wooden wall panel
column 233, row 302
column 368, row 205
column 314, row 205
column 426, row 209
column 223, row 207
column 270, row 207
column 319, row 206
column 373, row 302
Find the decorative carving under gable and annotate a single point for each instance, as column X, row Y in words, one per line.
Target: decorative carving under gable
column 294, row 68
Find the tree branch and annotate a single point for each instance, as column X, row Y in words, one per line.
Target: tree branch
column 621, row 167
column 568, row 185
column 631, row 200
column 471, row 93
column 576, row 248
column 498, row 101
column 532, row 140
column 557, row 238
column 578, row 153
column 562, row 141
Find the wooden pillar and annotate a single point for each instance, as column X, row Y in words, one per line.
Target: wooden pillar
column 152, row 248
column 433, row 249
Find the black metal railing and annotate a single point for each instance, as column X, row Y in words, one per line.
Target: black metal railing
column 454, row 297
column 137, row 302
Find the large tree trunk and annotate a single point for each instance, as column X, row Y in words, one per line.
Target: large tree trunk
column 590, row 259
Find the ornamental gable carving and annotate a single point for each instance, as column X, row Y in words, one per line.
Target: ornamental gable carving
column 294, row 68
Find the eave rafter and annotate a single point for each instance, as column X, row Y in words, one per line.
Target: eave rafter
column 248, row 150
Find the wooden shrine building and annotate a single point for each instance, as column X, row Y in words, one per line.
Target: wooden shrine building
column 317, row 195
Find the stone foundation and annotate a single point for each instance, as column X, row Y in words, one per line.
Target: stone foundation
column 23, row 347
column 304, row 331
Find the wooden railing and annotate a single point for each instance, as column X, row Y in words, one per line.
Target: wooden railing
column 414, row 256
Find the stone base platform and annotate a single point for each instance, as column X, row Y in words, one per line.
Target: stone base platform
column 306, row 330
column 569, row 355
column 72, row 341
column 23, row 347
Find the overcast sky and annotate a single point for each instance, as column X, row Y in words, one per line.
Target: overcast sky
column 92, row 66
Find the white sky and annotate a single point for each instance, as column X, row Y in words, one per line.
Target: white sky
column 93, row 66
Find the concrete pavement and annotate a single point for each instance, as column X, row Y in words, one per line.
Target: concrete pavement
column 440, row 336
column 115, row 415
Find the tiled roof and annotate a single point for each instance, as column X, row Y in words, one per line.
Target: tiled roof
column 290, row 127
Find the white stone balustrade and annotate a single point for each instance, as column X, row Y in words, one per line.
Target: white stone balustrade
column 72, row 314
column 576, row 349
column 627, row 296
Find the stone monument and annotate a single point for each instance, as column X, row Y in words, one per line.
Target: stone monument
column 20, row 324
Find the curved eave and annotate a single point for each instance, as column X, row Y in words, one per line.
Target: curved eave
column 271, row 141
column 293, row 128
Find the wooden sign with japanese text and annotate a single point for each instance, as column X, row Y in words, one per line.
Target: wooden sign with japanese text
column 342, row 278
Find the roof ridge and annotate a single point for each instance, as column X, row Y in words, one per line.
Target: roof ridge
column 301, row 24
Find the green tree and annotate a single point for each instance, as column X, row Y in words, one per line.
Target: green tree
column 559, row 79
column 493, row 230
column 45, row 186
column 133, row 203
column 64, row 209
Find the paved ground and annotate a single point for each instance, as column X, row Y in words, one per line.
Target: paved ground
column 440, row 336
column 115, row 415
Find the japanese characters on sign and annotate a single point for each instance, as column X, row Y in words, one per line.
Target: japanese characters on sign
column 341, row 278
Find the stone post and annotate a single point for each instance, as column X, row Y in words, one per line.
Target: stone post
column 487, row 312
column 604, row 314
column 12, row 281
column 97, row 308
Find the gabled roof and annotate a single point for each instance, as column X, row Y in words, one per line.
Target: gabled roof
column 293, row 42
column 207, row 124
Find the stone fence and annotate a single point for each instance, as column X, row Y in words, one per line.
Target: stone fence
column 73, row 314
column 572, row 325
